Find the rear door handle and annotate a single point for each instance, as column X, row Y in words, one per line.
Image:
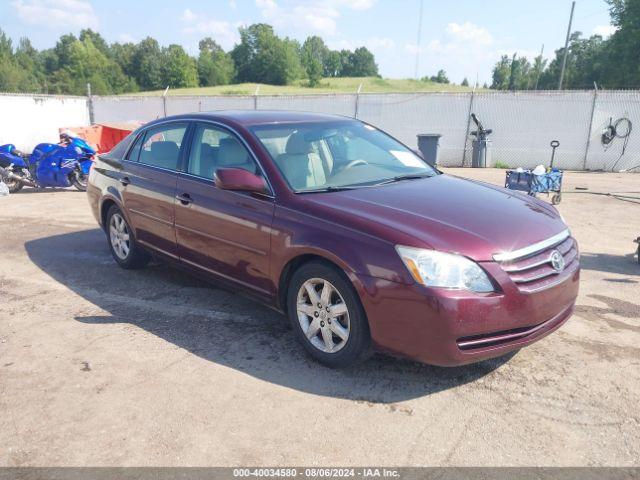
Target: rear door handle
column 125, row 181
column 185, row 198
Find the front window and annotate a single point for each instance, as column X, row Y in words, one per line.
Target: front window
column 335, row 155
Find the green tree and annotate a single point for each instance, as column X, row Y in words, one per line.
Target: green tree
column 332, row 64
column 465, row 82
column 215, row 67
column 97, row 40
column 585, row 62
column 501, row 73
column 361, row 63
column 261, row 56
column 314, row 72
column 314, row 55
column 84, row 63
column 620, row 67
column 124, row 55
column 440, row 77
column 178, row 69
column 31, row 72
column 147, row 62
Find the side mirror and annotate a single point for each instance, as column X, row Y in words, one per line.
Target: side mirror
column 240, row 180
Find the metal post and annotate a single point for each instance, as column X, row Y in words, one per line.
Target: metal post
column 566, row 46
column 164, row 101
column 593, row 111
column 357, row 105
column 255, row 97
column 539, row 69
column 466, row 134
column 90, row 104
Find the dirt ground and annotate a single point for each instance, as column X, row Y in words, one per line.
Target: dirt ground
column 101, row 366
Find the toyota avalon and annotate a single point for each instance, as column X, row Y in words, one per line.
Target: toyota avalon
column 344, row 229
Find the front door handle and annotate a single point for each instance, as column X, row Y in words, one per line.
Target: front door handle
column 125, row 181
column 184, row 198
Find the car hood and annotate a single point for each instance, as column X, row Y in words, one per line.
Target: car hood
column 445, row 213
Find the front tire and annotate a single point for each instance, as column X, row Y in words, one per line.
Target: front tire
column 327, row 316
column 123, row 246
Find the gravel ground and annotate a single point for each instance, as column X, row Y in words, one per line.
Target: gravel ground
column 100, row 366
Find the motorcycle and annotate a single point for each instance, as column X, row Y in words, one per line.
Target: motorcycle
column 50, row 165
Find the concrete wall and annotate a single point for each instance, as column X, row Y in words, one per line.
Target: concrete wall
column 26, row 120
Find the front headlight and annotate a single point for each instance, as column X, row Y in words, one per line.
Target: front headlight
column 439, row 269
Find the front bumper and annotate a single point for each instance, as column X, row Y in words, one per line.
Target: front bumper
column 452, row 327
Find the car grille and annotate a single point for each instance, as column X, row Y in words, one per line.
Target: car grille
column 534, row 270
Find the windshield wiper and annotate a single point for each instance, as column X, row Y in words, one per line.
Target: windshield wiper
column 326, row 189
column 408, row 176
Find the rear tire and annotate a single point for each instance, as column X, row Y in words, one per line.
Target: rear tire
column 122, row 244
column 79, row 180
column 331, row 324
column 14, row 186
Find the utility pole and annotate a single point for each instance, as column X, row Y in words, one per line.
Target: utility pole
column 566, row 46
column 418, row 40
column 539, row 68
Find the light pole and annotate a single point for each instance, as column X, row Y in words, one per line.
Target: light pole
column 418, row 40
column 566, row 47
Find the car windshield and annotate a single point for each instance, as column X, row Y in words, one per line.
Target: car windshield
column 338, row 155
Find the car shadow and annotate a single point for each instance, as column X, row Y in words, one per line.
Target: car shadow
column 604, row 262
column 226, row 328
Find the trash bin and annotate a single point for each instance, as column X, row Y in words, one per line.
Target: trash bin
column 481, row 157
column 481, row 145
column 428, row 145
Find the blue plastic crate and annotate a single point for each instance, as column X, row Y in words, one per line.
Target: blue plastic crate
column 518, row 180
column 532, row 184
column 549, row 182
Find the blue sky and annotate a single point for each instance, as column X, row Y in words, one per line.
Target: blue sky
column 462, row 36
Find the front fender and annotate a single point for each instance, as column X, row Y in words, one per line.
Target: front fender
column 296, row 234
column 85, row 166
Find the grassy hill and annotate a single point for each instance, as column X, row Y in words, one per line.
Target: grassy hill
column 327, row 85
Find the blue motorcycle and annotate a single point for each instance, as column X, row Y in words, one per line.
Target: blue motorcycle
column 50, row 165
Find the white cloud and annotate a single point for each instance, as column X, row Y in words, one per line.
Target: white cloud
column 56, row 13
column 126, row 38
column 461, row 49
column 377, row 45
column 380, row 43
column 188, row 16
column 225, row 33
column 605, row 30
column 468, row 32
column 233, row 4
column 356, row 4
column 318, row 16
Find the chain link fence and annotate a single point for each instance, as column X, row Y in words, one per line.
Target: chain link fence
column 523, row 123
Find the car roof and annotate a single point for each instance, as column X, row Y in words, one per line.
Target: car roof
column 259, row 117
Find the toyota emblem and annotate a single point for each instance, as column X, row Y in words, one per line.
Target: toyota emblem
column 557, row 261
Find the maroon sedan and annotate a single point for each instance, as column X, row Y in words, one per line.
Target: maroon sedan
column 361, row 243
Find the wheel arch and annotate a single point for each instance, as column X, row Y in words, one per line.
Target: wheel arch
column 108, row 200
column 302, row 258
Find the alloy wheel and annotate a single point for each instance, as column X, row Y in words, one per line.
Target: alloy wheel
column 323, row 315
column 119, row 236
